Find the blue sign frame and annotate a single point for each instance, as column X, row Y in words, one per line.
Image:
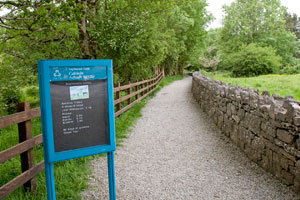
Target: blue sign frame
column 72, row 70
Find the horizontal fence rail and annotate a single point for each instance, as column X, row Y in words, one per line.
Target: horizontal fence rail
column 126, row 97
column 141, row 90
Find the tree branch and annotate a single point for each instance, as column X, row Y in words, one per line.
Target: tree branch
column 13, row 3
column 14, row 54
column 4, row 25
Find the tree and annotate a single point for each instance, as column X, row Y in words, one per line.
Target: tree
column 256, row 21
column 193, row 19
column 210, row 58
column 293, row 24
column 134, row 35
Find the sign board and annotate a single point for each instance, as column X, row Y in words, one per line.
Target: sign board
column 77, row 107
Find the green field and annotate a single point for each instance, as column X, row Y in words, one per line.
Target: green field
column 71, row 177
column 284, row 85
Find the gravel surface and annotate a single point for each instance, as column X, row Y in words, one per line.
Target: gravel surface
column 176, row 152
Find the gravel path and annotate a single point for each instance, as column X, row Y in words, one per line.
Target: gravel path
column 175, row 152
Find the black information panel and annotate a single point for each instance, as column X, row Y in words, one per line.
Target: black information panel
column 80, row 114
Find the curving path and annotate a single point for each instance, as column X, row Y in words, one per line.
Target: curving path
column 176, row 152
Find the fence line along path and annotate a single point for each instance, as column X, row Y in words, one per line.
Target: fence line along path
column 126, row 96
column 175, row 152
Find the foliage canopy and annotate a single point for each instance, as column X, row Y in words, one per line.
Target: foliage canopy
column 140, row 36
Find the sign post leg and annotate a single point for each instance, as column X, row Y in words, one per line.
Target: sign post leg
column 50, row 181
column 111, row 175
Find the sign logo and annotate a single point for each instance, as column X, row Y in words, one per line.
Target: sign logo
column 57, row 73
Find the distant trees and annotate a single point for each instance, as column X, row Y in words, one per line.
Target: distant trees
column 293, row 24
column 260, row 23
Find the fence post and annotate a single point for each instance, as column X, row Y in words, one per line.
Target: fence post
column 118, row 106
column 128, row 93
column 27, row 159
column 152, row 87
column 137, row 95
column 142, row 86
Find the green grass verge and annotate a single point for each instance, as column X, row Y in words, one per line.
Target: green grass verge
column 283, row 85
column 71, row 177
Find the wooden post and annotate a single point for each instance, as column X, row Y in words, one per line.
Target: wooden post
column 152, row 85
column 136, row 89
column 27, row 159
column 128, row 93
column 142, row 86
column 147, row 90
column 118, row 106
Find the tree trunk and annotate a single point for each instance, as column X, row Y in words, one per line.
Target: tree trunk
column 83, row 34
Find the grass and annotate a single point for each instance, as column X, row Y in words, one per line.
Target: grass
column 71, row 177
column 283, row 85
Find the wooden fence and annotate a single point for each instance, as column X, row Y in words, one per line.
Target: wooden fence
column 134, row 92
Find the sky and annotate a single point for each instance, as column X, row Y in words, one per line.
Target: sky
column 215, row 7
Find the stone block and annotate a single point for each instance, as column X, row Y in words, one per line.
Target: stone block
column 249, row 136
column 287, row 178
column 253, row 100
column 228, row 110
column 297, row 121
column 296, row 186
column 265, row 108
column 284, row 136
column 298, row 144
column 280, row 115
column 284, row 163
column 276, row 169
column 264, row 125
column 269, row 155
column 266, row 93
column 271, row 131
column 234, row 135
column 275, row 123
column 292, row 110
column 254, row 123
column 279, row 142
column 258, row 144
column 272, row 110
column 287, row 125
column 297, row 166
column 227, row 126
column 236, row 118
column 220, row 121
column 267, row 136
column 286, row 154
column 264, row 163
column 277, row 97
column 241, row 114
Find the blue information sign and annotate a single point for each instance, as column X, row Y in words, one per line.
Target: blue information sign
column 77, row 108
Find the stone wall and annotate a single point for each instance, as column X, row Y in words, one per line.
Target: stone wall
column 266, row 128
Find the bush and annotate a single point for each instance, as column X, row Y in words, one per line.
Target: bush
column 290, row 69
column 253, row 60
column 31, row 94
column 10, row 98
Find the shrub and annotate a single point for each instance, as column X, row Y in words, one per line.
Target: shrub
column 253, row 60
column 290, row 69
column 10, row 97
column 31, row 94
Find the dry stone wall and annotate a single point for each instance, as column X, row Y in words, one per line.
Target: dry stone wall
column 266, row 128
